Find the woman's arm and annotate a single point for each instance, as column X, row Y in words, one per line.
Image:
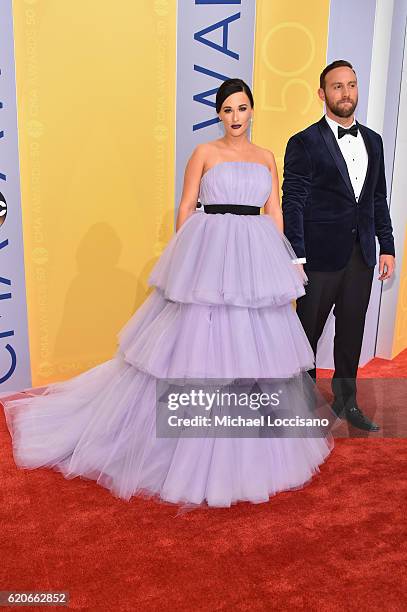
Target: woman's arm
column 192, row 178
column 272, row 206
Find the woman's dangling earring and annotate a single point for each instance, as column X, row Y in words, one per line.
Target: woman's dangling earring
column 221, row 128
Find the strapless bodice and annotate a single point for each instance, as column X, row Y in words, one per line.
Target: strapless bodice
column 236, row 182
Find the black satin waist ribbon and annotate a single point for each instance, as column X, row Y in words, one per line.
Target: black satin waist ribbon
column 235, row 209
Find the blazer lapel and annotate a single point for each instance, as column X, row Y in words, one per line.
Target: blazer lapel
column 335, row 151
column 369, row 150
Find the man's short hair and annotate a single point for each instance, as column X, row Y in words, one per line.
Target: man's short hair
column 332, row 66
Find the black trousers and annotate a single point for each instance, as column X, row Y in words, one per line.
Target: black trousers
column 348, row 290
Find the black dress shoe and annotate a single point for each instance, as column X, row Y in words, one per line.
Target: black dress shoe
column 355, row 417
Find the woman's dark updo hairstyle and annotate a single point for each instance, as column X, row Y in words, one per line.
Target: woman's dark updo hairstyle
column 230, row 87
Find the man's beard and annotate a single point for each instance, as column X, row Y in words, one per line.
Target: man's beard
column 340, row 110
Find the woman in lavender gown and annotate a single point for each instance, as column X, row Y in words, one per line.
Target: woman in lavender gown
column 221, row 309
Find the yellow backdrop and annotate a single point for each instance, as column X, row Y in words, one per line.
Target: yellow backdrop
column 96, row 108
column 400, row 335
column 290, row 52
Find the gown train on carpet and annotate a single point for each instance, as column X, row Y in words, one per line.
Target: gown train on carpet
column 220, row 309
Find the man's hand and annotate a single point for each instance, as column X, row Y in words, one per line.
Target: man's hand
column 387, row 263
column 300, row 270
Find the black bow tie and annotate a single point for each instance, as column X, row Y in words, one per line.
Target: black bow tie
column 353, row 131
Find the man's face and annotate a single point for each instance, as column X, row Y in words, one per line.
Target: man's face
column 341, row 92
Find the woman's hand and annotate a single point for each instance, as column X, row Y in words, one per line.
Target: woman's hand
column 192, row 180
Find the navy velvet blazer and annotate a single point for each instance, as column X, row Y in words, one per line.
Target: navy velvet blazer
column 321, row 215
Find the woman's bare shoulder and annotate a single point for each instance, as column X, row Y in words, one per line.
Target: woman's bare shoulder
column 208, row 153
column 266, row 154
column 207, row 148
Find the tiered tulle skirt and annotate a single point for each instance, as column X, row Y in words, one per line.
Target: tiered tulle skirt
column 221, row 309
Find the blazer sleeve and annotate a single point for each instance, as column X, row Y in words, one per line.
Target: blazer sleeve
column 383, row 226
column 296, row 192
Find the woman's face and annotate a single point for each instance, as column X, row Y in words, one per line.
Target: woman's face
column 236, row 113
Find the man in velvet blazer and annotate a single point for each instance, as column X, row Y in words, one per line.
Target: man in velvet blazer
column 334, row 207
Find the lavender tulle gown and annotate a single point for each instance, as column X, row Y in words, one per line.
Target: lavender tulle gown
column 221, row 308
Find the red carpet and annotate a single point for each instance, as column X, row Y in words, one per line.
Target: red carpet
column 339, row 544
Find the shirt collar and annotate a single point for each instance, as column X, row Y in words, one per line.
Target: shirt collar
column 334, row 125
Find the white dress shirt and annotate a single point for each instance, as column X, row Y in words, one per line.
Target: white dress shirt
column 355, row 155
